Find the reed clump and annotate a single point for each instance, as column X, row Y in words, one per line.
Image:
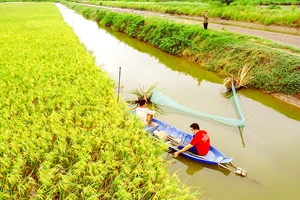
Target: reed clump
column 243, row 79
column 144, row 94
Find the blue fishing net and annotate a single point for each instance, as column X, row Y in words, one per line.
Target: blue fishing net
column 163, row 100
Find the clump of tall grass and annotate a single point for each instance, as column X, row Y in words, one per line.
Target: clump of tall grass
column 140, row 94
column 243, row 78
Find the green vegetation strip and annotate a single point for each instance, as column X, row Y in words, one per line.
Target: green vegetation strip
column 63, row 134
column 273, row 2
column 222, row 52
column 265, row 15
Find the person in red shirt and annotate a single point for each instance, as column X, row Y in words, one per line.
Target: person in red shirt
column 199, row 145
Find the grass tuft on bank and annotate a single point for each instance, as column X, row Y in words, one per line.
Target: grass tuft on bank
column 63, row 133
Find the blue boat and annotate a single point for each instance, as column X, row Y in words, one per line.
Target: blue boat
column 177, row 137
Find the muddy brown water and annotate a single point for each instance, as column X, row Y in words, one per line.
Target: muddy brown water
column 268, row 147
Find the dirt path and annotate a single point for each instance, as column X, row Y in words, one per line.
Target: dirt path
column 283, row 35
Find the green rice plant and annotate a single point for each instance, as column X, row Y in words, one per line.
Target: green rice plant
column 269, row 21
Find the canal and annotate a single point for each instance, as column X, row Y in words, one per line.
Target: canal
column 268, row 147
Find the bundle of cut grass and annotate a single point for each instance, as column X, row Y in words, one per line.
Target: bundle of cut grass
column 141, row 93
column 243, row 78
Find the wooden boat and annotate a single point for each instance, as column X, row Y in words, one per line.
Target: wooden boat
column 177, row 137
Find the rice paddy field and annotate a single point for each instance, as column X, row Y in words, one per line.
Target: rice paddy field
column 63, row 135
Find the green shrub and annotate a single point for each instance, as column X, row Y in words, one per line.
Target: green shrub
column 272, row 6
column 293, row 8
column 108, row 19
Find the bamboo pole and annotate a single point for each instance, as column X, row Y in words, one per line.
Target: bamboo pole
column 119, row 84
column 245, row 119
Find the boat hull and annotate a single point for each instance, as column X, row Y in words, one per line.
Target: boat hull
column 176, row 136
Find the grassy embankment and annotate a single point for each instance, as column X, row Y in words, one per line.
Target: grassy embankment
column 222, row 52
column 63, row 134
column 4, row 1
column 266, row 16
column 272, row 2
column 242, row 2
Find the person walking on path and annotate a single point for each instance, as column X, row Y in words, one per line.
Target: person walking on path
column 205, row 20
